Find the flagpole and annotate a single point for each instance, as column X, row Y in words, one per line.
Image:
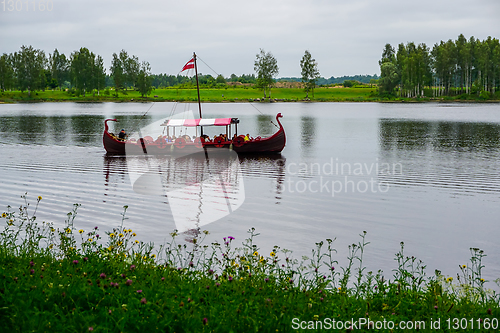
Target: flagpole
column 198, row 89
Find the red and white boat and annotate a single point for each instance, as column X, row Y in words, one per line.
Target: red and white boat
column 170, row 145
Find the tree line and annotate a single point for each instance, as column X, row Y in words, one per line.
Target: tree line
column 470, row 67
column 30, row 69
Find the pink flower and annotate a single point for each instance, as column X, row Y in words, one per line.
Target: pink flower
column 205, row 321
column 143, row 300
column 139, row 291
column 75, row 262
column 129, row 282
column 102, row 275
column 32, row 271
column 132, row 267
column 91, row 328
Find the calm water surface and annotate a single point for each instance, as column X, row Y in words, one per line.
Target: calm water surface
column 425, row 174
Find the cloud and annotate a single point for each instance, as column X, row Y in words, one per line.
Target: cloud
column 345, row 37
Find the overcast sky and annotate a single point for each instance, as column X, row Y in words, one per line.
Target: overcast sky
column 345, row 37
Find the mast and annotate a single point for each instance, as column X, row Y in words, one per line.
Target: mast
column 198, row 89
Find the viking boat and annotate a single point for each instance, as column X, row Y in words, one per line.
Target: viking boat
column 171, row 145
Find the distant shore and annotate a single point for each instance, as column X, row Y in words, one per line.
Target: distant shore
column 230, row 95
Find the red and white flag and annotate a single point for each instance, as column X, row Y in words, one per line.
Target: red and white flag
column 188, row 65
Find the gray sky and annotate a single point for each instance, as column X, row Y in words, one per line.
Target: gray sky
column 345, row 37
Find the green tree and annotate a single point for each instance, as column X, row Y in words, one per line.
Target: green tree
column 59, row 67
column 131, row 68
column 82, row 70
column 29, row 64
column 117, row 73
column 99, row 74
column 310, row 73
column 389, row 78
column 220, row 79
column 266, row 67
column 144, row 79
column 6, row 73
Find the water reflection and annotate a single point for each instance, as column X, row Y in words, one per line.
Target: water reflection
column 83, row 130
column 442, row 136
column 455, row 156
column 265, row 125
column 307, row 132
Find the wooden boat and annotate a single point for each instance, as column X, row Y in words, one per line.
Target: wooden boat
column 163, row 145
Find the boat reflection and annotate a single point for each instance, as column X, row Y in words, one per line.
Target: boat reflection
column 200, row 188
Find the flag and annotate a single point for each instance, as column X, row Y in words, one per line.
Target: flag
column 188, row 65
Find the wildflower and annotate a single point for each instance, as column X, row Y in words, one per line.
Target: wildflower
column 111, row 235
column 482, row 280
column 435, row 307
column 139, row 291
column 136, row 241
column 80, row 231
column 75, row 262
column 153, row 256
column 134, row 234
column 143, row 300
column 4, row 215
column 90, row 240
column 449, row 279
column 68, row 230
column 272, row 254
column 102, row 276
column 32, row 271
column 231, row 238
column 266, row 280
column 256, row 254
column 120, row 235
column 132, row 267
column 191, row 264
column 95, row 228
column 120, row 243
column 91, row 328
column 163, row 278
column 333, row 268
column 129, row 282
column 32, row 263
column 230, row 278
column 463, row 266
column 205, row 320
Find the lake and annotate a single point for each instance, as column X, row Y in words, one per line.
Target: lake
column 425, row 174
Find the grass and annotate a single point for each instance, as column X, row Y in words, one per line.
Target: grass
column 229, row 94
column 232, row 94
column 71, row 280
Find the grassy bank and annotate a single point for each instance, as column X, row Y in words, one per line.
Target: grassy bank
column 72, row 280
column 229, row 94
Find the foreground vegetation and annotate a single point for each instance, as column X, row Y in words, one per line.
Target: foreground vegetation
column 71, row 280
column 235, row 94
